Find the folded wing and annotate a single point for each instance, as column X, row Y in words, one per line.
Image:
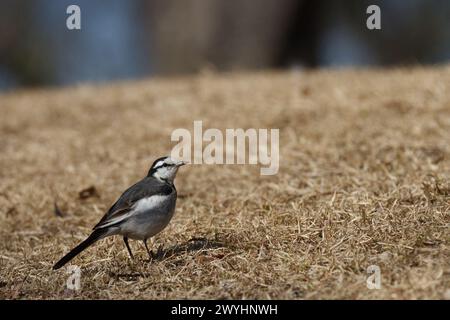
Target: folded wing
column 124, row 206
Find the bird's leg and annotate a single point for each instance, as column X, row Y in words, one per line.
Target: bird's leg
column 150, row 253
column 125, row 239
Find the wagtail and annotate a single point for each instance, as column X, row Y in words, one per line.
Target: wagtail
column 141, row 212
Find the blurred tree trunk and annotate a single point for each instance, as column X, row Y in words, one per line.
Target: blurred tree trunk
column 187, row 35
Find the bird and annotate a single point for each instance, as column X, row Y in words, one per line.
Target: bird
column 141, row 212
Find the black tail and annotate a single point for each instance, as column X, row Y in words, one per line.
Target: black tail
column 96, row 235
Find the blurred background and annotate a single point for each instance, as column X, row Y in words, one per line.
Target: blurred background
column 130, row 39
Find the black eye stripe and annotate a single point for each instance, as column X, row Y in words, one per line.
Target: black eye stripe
column 163, row 165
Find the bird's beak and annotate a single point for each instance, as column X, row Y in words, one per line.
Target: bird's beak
column 181, row 163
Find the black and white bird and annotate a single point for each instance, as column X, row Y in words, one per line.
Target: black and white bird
column 141, row 212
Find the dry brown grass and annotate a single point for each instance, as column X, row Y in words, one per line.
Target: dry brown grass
column 364, row 179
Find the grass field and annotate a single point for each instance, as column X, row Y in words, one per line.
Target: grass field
column 364, row 180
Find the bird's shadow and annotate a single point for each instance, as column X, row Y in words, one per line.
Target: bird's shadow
column 194, row 244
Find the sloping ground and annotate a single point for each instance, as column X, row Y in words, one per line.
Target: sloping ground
column 364, row 180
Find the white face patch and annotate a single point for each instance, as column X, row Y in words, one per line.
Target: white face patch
column 166, row 169
column 166, row 173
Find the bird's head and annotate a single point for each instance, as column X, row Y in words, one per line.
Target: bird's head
column 165, row 169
